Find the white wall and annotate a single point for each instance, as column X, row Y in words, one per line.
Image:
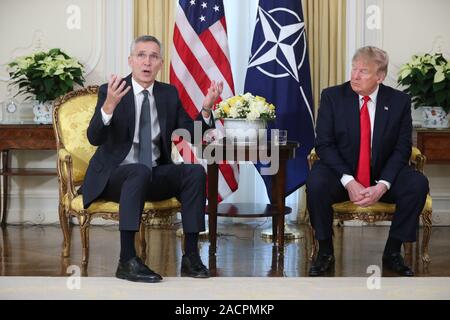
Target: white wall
column 407, row 27
column 100, row 41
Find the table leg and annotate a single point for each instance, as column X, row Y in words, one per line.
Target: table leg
column 5, row 166
column 212, row 205
column 275, row 219
column 281, row 186
column 1, row 190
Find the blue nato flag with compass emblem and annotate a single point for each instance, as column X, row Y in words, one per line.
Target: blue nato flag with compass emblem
column 278, row 70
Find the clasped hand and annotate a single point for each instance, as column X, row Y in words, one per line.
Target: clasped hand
column 365, row 197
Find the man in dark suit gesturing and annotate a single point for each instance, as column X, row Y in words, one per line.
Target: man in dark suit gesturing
column 132, row 127
column 363, row 140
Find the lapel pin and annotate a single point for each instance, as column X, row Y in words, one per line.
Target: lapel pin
column 386, row 108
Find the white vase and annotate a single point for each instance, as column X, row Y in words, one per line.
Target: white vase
column 43, row 112
column 243, row 131
column 434, row 117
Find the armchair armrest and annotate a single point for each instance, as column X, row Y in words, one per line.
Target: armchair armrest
column 65, row 171
column 417, row 159
column 312, row 157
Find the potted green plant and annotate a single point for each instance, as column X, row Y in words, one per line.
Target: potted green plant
column 45, row 76
column 426, row 78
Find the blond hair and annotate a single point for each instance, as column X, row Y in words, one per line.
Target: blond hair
column 375, row 55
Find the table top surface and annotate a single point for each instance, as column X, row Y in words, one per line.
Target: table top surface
column 437, row 130
column 27, row 123
column 229, row 144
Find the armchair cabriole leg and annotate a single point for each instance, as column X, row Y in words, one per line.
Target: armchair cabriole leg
column 427, row 224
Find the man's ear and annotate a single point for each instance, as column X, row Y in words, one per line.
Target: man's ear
column 381, row 78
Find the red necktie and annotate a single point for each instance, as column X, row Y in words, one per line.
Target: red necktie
column 363, row 171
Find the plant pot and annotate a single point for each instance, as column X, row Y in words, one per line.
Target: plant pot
column 43, row 112
column 243, row 131
column 434, row 117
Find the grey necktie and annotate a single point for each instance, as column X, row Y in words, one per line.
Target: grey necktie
column 145, row 133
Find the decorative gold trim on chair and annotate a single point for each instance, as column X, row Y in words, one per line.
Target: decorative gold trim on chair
column 70, row 203
column 381, row 211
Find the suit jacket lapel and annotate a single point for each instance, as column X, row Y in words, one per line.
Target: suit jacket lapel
column 161, row 108
column 381, row 119
column 129, row 106
column 351, row 103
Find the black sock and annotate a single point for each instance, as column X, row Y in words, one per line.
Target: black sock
column 392, row 246
column 127, row 249
column 326, row 246
column 190, row 243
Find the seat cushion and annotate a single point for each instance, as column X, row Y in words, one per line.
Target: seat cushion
column 379, row 207
column 103, row 206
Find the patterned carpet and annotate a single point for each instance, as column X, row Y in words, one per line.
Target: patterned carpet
column 224, row 288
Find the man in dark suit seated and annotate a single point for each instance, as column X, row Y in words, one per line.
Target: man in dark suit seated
column 363, row 140
column 132, row 127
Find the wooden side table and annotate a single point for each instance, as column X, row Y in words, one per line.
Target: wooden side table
column 22, row 136
column 434, row 144
column 277, row 209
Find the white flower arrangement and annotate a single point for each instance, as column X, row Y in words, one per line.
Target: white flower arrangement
column 46, row 74
column 426, row 78
column 246, row 106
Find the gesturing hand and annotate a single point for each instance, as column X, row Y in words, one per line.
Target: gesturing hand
column 214, row 91
column 116, row 90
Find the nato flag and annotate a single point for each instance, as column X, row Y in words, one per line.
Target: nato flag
column 278, row 70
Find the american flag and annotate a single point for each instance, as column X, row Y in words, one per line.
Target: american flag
column 199, row 55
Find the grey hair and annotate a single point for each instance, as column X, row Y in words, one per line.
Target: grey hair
column 374, row 54
column 146, row 38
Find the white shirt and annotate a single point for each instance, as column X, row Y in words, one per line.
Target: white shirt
column 371, row 106
column 133, row 155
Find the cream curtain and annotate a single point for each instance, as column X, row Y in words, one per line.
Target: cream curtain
column 156, row 18
column 326, row 29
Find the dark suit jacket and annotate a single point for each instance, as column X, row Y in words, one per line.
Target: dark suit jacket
column 115, row 140
column 337, row 130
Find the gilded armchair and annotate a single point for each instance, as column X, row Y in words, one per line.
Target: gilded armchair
column 380, row 211
column 71, row 116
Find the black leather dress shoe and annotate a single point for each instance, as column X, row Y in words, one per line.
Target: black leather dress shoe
column 323, row 264
column 192, row 266
column 395, row 262
column 135, row 270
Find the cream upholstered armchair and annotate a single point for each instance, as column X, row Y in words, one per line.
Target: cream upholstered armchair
column 71, row 116
column 381, row 211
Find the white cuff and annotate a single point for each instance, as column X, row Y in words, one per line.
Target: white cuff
column 208, row 120
column 106, row 117
column 346, row 178
column 387, row 184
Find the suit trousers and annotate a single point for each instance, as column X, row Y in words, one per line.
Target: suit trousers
column 131, row 185
column 408, row 192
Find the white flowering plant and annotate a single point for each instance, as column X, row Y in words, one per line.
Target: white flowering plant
column 427, row 79
column 45, row 75
column 246, row 106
